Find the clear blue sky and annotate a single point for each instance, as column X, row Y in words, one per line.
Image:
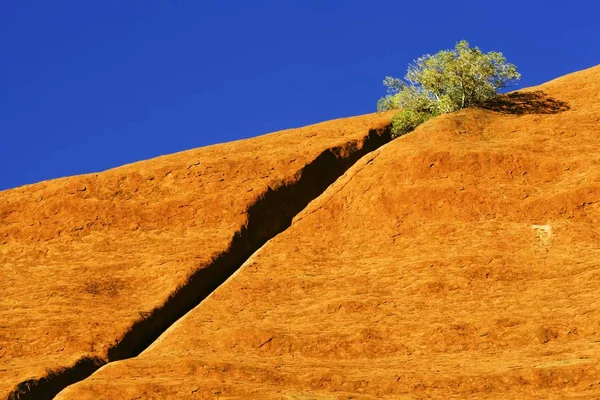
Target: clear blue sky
column 90, row 85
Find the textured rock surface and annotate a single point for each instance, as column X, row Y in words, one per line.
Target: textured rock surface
column 462, row 260
column 85, row 260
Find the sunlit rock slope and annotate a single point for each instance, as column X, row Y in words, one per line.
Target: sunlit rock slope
column 94, row 268
column 461, row 260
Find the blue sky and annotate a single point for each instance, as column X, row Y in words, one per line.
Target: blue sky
column 90, row 85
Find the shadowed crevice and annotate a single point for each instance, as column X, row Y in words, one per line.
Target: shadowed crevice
column 48, row 386
column 536, row 102
column 269, row 215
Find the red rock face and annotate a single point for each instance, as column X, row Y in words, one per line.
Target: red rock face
column 95, row 267
column 457, row 261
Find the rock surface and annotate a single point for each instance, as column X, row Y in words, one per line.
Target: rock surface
column 461, row 260
column 95, row 267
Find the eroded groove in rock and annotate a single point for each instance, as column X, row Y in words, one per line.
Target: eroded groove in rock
column 56, row 380
column 268, row 216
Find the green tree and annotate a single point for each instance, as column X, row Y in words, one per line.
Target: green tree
column 445, row 82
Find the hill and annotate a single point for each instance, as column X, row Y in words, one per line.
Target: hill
column 457, row 261
column 95, row 267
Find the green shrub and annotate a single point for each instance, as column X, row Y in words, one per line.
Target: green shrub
column 407, row 120
column 445, row 82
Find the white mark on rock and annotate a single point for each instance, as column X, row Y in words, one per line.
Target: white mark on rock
column 543, row 233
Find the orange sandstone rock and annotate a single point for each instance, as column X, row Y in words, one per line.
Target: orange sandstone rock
column 94, row 267
column 459, row 261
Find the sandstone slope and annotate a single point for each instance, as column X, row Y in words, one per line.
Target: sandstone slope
column 461, row 260
column 93, row 268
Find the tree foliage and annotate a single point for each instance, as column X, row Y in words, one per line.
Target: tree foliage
column 445, row 82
